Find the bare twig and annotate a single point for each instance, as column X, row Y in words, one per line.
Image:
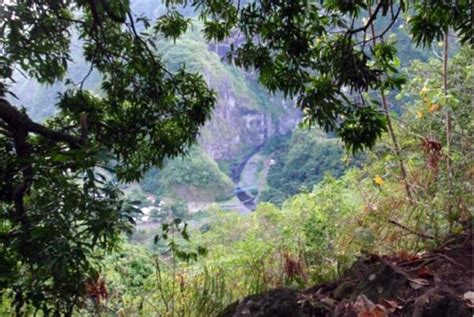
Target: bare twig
column 382, row 34
column 372, row 18
column 420, row 234
column 391, row 131
column 91, row 68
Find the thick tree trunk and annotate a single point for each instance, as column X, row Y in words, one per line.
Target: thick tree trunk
column 17, row 126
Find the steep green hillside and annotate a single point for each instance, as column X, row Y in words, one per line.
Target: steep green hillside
column 193, row 51
column 300, row 161
column 195, row 177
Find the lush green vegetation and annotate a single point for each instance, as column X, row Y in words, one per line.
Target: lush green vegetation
column 300, row 161
column 195, row 177
column 63, row 222
column 317, row 234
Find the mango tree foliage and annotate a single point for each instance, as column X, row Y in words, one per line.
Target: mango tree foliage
column 57, row 212
column 323, row 54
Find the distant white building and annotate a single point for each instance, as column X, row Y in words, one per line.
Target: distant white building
column 147, row 211
column 151, row 199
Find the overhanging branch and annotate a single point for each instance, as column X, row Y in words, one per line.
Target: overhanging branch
column 371, row 19
column 15, row 119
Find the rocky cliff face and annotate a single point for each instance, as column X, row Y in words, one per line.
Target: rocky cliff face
column 236, row 128
column 245, row 115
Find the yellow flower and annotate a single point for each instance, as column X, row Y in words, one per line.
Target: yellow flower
column 434, row 107
column 420, row 114
column 424, row 90
column 378, row 180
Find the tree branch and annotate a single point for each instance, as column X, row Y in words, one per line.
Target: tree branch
column 17, row 120
column 114, row 17
column 394, row 18
column 145, row 46
column 372, row 18
column 19, row 125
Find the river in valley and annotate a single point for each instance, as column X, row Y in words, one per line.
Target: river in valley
column 249, row 177
column 250, row 180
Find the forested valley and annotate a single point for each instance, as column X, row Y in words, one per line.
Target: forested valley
column 236, row 158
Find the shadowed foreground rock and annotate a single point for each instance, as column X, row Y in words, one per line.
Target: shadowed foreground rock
column 436, row 284
column 274, row 303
